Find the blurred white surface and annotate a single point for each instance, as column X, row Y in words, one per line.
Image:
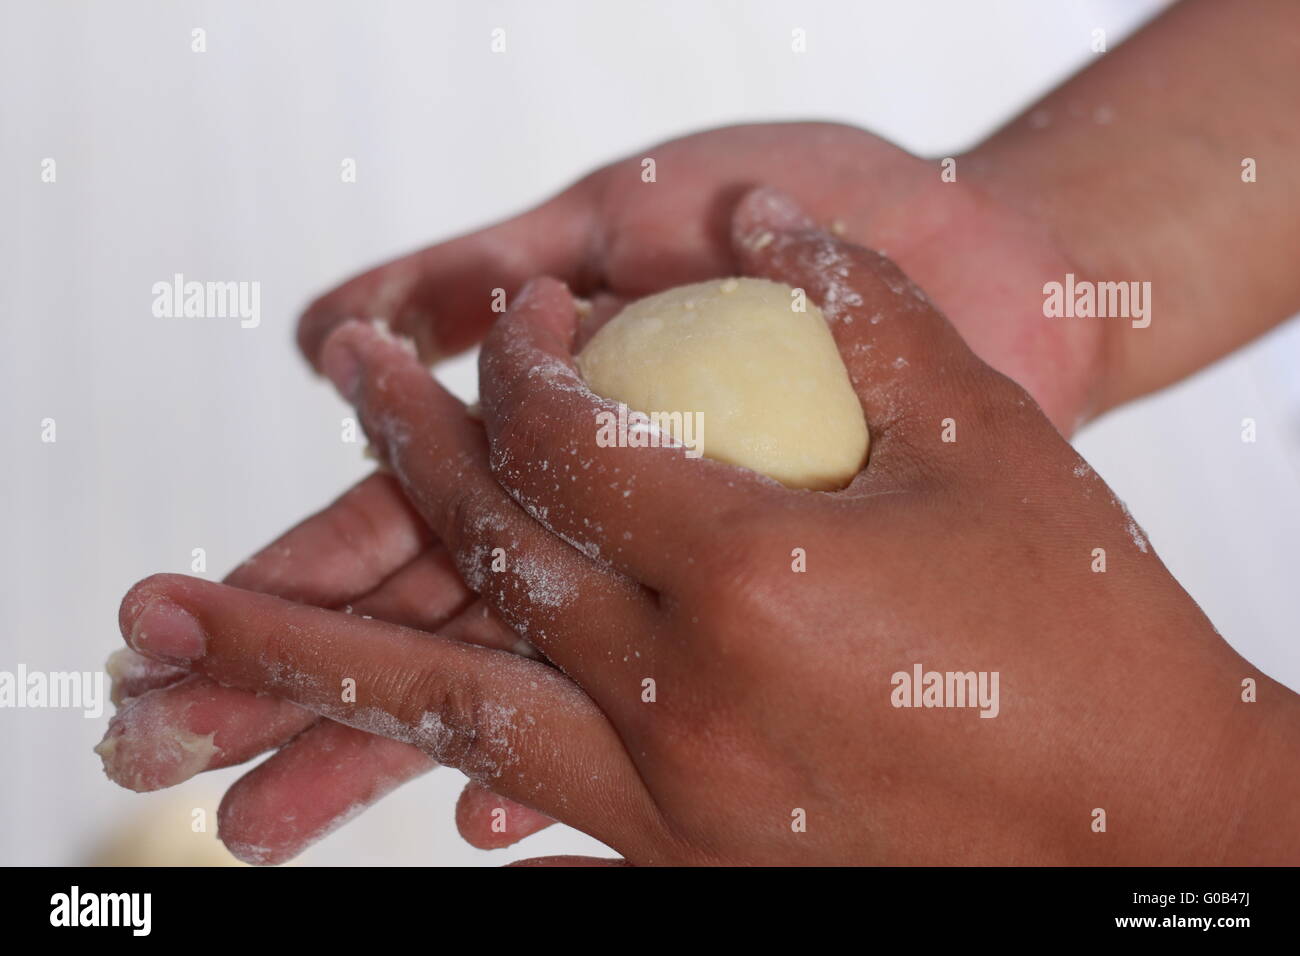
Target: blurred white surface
column 181, row 434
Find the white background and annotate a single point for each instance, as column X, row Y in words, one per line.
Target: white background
column 176, row 434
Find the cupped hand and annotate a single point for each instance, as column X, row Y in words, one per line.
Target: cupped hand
column 614, row 236
column 702, row 698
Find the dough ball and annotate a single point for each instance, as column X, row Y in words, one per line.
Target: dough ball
column 768, row 380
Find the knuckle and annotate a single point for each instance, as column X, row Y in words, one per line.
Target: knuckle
column 469, row 532
column 741, row 576
column 996, row 403
column 279, row 656
column 451, row 722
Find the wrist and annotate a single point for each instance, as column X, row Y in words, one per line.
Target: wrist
column 1167, row 161
column 1078, row 225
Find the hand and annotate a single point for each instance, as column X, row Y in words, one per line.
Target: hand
column 618, row 238
column 613, row 238
column 773, row 688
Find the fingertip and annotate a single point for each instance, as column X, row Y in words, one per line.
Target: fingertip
column 354, row 347
column 145, row 747
column 547, row 303
column 340, row 361
column 761, row 213
column 255, row 854
column 379, row 293
column 487, row 821
column 241, row 827
column 144, row 592
column 314, row 326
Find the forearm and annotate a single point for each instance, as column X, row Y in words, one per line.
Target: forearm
column 1135, row 165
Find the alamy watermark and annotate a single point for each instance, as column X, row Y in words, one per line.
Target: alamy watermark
column 131, row 911
column 631, row 429
column 57, row 690
column 921, row 688
column 179, row 299
column 1102, row 300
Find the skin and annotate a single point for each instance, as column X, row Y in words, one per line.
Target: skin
column 367, row 552
column 1138, row 171
column 1029, row 205
column 773, row 689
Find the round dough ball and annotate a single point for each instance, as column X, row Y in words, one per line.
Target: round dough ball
column 774, row 394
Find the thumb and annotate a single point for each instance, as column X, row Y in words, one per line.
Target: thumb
column 902, row 355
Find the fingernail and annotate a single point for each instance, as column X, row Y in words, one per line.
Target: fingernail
column 342, row 366
column 165, row 631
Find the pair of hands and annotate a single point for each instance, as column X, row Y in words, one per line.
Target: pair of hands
column 772, row 687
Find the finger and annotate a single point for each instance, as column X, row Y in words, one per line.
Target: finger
column 542, row 587
column 177, row 724
column 424, row 594
column 329, row 773
column 609, row 500
column 313, row 785
column 202, row 726
column 516, row 725
column 334, row 556
column 185, row 724
column 166, row 736
column 906, row 362
column 442, row 297
column 490, row 821
column 342, row 551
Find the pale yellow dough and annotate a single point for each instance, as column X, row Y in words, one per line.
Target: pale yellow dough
column 774, row 394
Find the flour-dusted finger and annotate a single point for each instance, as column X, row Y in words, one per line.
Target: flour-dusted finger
column 489, row 821
column 176, row 724
column 517, row 725
column 165, row 736
column 313, row 785
column 567, row 605
column 341, row 551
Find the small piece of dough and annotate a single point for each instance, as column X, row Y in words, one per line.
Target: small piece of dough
column 774, row 393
